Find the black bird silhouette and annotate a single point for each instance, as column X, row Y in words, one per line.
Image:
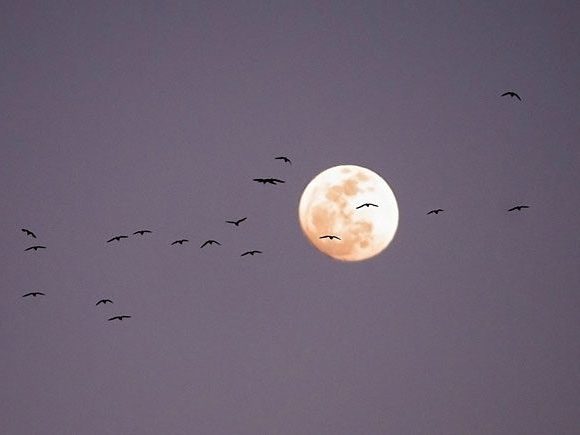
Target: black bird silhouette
column 366, row 204
column 104, row 301
column 33, row 294
column 118, row 238
column 330, row 237
column 238, row 222
column 273, row 181
column 511, row 94
column 284, row 158
column 120, row 317
column 36, row 248
column 519, row 207
column 28, row 233
column 251, row 253
column 210, row 242
column 141, row 232
column 436, row 211
column 180, row 241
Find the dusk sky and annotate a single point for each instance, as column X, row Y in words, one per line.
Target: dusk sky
column 117, row 116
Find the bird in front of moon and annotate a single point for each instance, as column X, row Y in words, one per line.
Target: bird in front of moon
column 330, row 204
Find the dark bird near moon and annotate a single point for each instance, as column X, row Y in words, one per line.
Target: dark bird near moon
column 436, row 211
column 284, row 158
column 28, row 233
column 35, row 248
column 366, row 204
column 141, row 232
column 120, row 317
column 330, row 237
column 250, row 253
column 33, row 294
column 210, row 242
column 104, row 302
column 180, row 242
column 273, row 181
column 238, row 222
column 117, row 238
column 511, row 94
column 519, row 207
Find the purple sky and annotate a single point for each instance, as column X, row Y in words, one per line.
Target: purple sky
column 117, row 116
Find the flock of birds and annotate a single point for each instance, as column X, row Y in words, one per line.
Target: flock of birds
column 236, row 223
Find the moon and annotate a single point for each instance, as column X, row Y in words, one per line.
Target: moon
column 328, row 207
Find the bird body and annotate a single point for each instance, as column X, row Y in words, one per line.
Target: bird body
column 284, row 158
column 519, row 207
column 273, row 181
column 238, row 222
column 120, row 317
column 141, row 232
column 117, row 238
column 180, row 241
column 104, row 302
column 28, row 233
column 366, row 204
column 210, row 242
column 330, row 237
column 33, row 294
column 35, row 248
column 511, row 94
column 251, row 253
column 436, row 211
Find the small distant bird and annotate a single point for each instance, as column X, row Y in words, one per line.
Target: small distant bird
column 238, row 222
column 284, row 158
column 366, row 204
column 33, row 294
column 330, row 237
column 36, row 248
column 273, row 181
column 210, row 242
column 118, row 238
column 104, row 301
column 436, row 211
column 120, row 317
column 519, row 207
column 251, row 253
column 180, row 241
column 141, row 232
column 511, row 94
column 28, row 233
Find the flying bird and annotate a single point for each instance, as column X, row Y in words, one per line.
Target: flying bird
column 36, row 248
column 251, row 253
column 210, row 242
column 238, row 222
column 120, row 317
column 33, row 294
column 366, row 204
column 180, row 241
column 330, row 237
column 141, row 232
column 28, row 233
column 118, row 238
column 511, row 94
column 436, row 211
column 284, row 158
column 104, row 302
column 273, row 181
column 519, row 207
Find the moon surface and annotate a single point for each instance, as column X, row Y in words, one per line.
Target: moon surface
column 328, row 206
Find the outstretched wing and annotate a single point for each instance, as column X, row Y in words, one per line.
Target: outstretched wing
column 110, row 240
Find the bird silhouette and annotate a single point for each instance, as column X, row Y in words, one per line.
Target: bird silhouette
column 120, row 317
column 180, row 241
column 118, row 238
column 436, row 211
column 141, row 232
column 366, row 204
column 238, row 222
column 251, row 253
column 33, row 294
column 519, row 207
column 330, row 237
column 28, row 233
column 104, row 302
column 273, row 181
column 210, row 242
column 511, row 94
column 36, row 248
column 284, row 158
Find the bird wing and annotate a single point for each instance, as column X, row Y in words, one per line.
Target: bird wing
column 27, row 294
column 110, row 240
column 504, row 94
column 513, row 208
column 275, row 180
column 138, row 232
column 28, row 249
column 517, row 96
column 205, row 243
column 113, row 318
column 100, row 302
column 123, row 237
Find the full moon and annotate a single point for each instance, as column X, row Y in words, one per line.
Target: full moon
column 355, row 206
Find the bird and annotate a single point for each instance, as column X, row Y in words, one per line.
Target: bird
column 118, row 238
column 330, row 237
column 273, row 181
column 28, row 233
column 33, row 294
column 366, row 204
column 251, row 253
column 104, row 301
column 519, row 207
column 238, row 222
column 180, row 241
column 141, row 232
column 36, row 248
column 120, row 317
column 284, row 158
column 210, row 242
column 511, row 94
column 436, row 211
